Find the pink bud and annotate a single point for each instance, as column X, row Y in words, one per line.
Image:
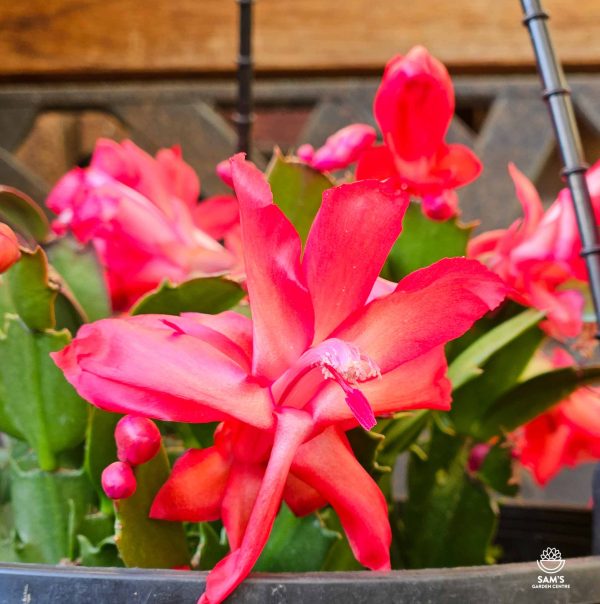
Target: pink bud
column 478, row 454
column 138, row 439
column 118, row 480
column 305, row 152
column 441, row 207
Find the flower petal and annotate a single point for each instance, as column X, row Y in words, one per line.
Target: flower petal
column 342, row 148
column 376, row 162
column 414, row 104
column 347, row 246
column 301, row 498
column 456, row 166
column 164, row 373
column 240, row 496
column 529, row 198
column 217, row 215
column 281, row 308
column 429, row 307
column 292, row 428
column 328, row 465
column 195, row 488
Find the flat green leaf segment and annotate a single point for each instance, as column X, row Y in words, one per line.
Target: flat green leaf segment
column 468, row 364
column 449, row 518
column 42, row 409
column 79, row 267
column 100, row 446
column 144, row 542
column 48, row 511
column 423, row 242
column 210, row 295
column 297, row 190
column 32, row 291
column 23, row 215
column 296, row 544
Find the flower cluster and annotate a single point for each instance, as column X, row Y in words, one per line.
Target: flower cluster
column 313, row 344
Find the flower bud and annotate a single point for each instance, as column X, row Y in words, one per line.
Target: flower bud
column 118, row 480
column 138, row 439
column 477, row 457
column 9, row 247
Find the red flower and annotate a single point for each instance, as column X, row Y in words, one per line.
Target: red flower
column 9, row 247
column 566, row 435
column 315, row 360
column 537, row 256
column 139, row 212
column 413, row 107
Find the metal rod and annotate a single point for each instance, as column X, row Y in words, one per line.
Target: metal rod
column 596, row 498
column 244, row 117
column 558, row 98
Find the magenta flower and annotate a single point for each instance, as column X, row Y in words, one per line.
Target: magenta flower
column 139, row 213
column 316, row 359
column 413, row 107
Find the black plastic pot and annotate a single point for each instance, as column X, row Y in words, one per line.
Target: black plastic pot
column 524, row 531
column 505, row 583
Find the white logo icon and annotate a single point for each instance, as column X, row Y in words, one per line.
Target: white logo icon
column 550, row 561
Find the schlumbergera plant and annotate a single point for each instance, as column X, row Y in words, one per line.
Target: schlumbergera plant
column 257, row 362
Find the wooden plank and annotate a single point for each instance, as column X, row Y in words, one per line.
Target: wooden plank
column 154, row 37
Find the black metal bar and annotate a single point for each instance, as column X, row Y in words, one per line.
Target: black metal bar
column 596, row 521
column 557, row 96
column 244, row 117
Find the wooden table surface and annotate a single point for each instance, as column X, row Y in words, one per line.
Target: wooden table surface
column 64, row 38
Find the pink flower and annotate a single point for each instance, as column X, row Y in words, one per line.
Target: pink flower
column 9, row 247
column 340, row 149
column 315, row 360
column 566, row 435
column 413, row 107
column 139, row 212
column 537, row 256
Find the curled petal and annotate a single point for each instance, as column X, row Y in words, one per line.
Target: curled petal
column 195, row 489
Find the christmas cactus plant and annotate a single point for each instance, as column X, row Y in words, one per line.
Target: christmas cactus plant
column 227, row 384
